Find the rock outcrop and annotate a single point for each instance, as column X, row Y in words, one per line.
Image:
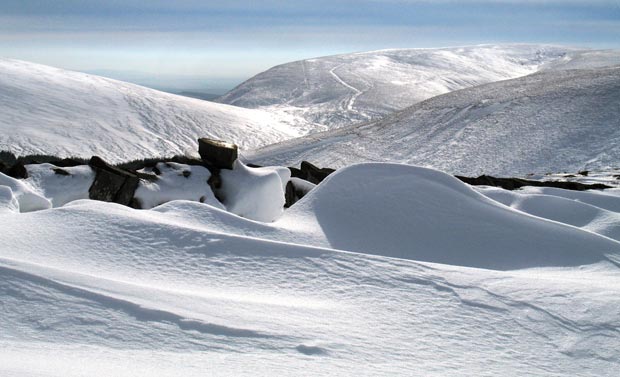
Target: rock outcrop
column 515, row 183
column 217, row 154
column 310, row 172
column 112, row 184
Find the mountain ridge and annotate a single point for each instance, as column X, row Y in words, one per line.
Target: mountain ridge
column 338, row 90
column 497, row 128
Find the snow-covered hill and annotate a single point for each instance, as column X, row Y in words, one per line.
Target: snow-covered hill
column 49, row 110
column 95, row 288
column 339, row 90
column 551, row 121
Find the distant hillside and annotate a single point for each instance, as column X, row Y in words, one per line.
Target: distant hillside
column 339, row 90
column 199, row 95
column 54, row 111
column 554, row 120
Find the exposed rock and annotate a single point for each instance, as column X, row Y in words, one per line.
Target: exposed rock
column 215, row 182
column 310, row 172
column 4, row 167
column 584, row 173
column 289, row 195
column 296, row 172
column 146, row 176
column 186, row 173
column 8, row 158
column 515, row 183
column 135, row 203
column 296, row 188
column 18, row 170
column 112, row 184
column 151, row 163
column 218, row 154
column 60, row 171
column 68, row 162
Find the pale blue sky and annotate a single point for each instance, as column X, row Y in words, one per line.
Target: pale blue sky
column 194, row 43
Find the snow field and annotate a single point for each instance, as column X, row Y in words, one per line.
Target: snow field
column 550, row 121
column 186, row 288
column 76, row 114
column 335, row 91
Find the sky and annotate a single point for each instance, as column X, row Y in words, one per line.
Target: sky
column 214, row 45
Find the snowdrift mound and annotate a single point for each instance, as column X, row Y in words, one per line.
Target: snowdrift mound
column 254, row 193
column 338, row 90
column 52, row 111
column 551, row 121
column 60, row 185
column 29, row 200
column 422, row 214
column 555, row 207
column 8, row 201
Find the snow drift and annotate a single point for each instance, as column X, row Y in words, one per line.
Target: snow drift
column 99, row 288
column 28, row 199
column 422, row 214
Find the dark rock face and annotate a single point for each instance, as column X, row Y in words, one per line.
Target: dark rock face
column 112, row 184
column 217, row 154
column 311, row 173
column 18, row 171
column 292, row 194
column 135, row 203
column 8, row 158
column 215, row 183
column 4, row 167
column 289, row 195
column 60, row 171
column 515, row 183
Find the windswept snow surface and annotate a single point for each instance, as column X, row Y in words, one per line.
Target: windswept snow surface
column 53, row 111
column 27, row 197
column 551, row 121
column 339, row 90
column 95, row 288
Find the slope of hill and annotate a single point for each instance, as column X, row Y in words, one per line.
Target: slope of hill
column 339, row 90
column 49, row 110
column 554, row 120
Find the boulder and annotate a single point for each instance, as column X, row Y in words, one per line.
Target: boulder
column 215, row 183
column 311, row 173
column 289, row 195
column 18, row 170
column 296, row 188
column 4, row 167
column 8, row 158
column 112, row 184
column 218, row 154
